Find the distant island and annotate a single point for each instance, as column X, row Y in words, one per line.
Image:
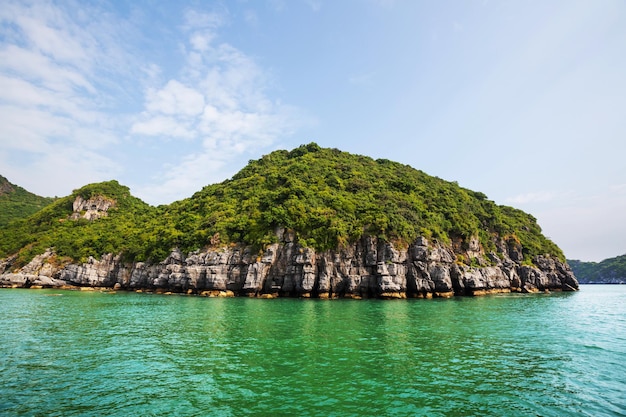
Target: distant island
column 310, row 222
column 608, row 271
column 17, row 203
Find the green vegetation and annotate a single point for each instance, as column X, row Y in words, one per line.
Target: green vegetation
column 17, row 203
column 327, row 197
column 608, row 271
column 79, row 239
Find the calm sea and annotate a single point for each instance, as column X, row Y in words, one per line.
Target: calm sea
column 65, row 353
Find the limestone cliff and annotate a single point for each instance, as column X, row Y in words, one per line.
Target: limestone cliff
column 368, row 268
column 310, row 222
column 92, row 208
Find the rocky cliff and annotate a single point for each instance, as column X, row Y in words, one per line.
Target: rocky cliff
column 368, row 268
column 92, row 208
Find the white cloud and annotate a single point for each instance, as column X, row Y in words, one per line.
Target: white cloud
column 195, row 20
column 36, row 67
column 219, row 100
column 21, row 94
column 175, row 98
column 186, row 175
column 46, row 29
column 76, row 83
column 52, row 71
column 164, row 127
column 202, row 28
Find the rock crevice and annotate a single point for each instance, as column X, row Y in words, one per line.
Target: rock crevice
column 368, row 268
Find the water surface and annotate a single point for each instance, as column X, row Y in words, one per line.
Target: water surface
column 68, row 353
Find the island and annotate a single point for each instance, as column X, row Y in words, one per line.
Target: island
column 310, row 222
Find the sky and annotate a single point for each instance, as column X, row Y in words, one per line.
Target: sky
column 523, row 100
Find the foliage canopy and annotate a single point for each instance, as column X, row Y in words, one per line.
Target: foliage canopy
column 17, row 203
column 611, row 270
column 329, row 198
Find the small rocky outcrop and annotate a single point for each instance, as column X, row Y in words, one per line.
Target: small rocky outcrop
column 368, row 268
column 5, row 186
column 92, row 208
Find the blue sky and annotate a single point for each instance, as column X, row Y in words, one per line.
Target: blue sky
column 522, row 100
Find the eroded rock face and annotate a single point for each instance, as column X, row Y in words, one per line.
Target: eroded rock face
column 92, row 208
column 368, row 268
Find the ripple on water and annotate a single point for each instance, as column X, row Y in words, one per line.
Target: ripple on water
column 137, row 354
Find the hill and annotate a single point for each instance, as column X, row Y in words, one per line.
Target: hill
column 327, row 197
column 68, row 225
column 17, row 203
column 608, row 271
column 307, row 218
column 330, row 198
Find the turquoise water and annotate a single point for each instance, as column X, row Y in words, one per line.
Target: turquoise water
column 68, row 353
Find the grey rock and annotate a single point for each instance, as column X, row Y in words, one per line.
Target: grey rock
column 92, row 208
column 368, row 268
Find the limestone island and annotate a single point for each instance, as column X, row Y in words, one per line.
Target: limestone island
column 310, row 222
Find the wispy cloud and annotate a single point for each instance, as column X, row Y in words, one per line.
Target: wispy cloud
column 80, row 100
column 51, row 97
column 218, row 100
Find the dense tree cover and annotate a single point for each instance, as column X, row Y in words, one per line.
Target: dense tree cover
column 77, row 239
column 608, row 271
column 330, row 198
column 327, row 197
column 17, row 203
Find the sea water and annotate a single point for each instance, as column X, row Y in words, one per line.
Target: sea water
column 70, row 353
